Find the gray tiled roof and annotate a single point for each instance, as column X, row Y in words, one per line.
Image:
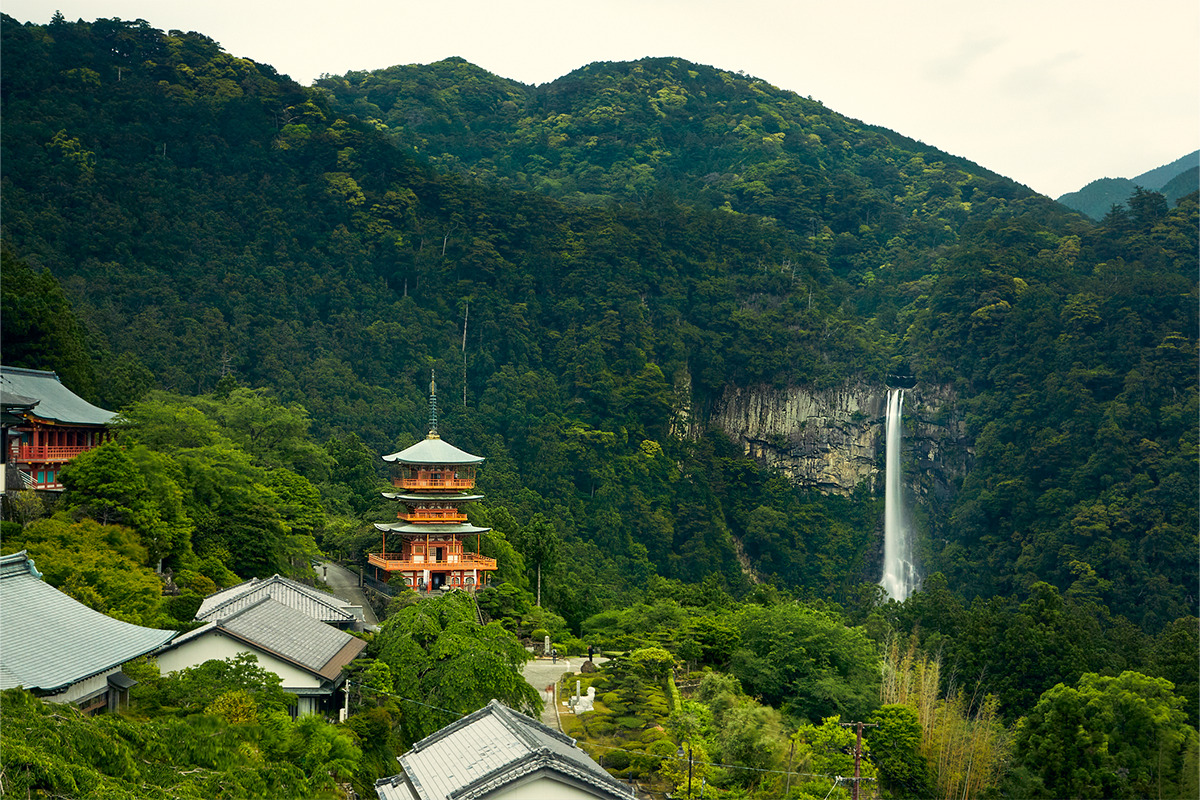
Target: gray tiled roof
column 487, row 750
column 317, row 604
column 288, row 633
column 49, row 641
column 55, row 401
column 435, row 451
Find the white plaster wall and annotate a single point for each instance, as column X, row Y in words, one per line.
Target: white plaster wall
column 544, row 788
column 219, row 646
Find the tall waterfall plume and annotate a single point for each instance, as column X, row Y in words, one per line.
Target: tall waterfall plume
column 899, row 572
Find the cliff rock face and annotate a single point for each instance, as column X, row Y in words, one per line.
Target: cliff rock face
column 833, row 439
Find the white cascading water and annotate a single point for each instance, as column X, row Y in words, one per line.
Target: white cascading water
column 899, row 573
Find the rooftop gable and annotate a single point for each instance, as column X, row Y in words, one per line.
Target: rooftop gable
column 288, row 634
column 54, row 401
column 81, row 642
column 487, row 750
column 317, row 604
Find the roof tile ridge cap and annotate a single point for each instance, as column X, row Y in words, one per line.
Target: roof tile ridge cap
column 449, row 729
column 519, row 724
column 525, row 722
column 220, row 622
column 254, row 585
column 500, row 775
column 313, row 593
column 29, row 371
column 531, row 762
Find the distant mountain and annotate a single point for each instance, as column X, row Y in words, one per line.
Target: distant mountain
column 1175, row 180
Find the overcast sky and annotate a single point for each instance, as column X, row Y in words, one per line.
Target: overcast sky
column 1051, row 93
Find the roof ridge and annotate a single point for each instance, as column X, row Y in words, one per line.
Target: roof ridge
column 29, row 371
column 506, row 717
column 313, row 594
column 453, row 727
column 222, row 620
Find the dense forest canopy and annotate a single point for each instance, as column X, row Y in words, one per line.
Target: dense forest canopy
column 218, row 252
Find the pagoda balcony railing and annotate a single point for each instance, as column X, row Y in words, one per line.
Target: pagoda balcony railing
column 422, row 515
column 465, row 562
column 29, row 452
column 426, row 483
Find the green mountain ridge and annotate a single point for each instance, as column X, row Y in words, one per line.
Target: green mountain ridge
column 1175, row 181
column 590, row 250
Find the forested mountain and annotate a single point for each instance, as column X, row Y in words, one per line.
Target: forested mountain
column 580, row 260
column 1174, row 181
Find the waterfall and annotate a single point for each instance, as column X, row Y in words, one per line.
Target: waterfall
column 899, row 573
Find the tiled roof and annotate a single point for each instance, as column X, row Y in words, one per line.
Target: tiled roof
column 435, row 451
column 317, row 604
column 404, row 527
column 49, row 641
column 485, row 751
column 55, row 401
column 461, row 497
column 287, row 633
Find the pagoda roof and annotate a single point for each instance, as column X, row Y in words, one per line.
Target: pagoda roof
column 404, row 527
column 431, row 498
column 50, row 399
column 433, row 450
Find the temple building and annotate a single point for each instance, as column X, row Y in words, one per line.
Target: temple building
column 428, row 546
column 45, row 425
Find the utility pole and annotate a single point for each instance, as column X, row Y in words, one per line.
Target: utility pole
column 858, row 750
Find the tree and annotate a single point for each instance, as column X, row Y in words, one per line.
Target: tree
column 101, row 566
column 1107, row 737
column 541, row 545
column 443, row 663
column 806, row 661
column 896, row 751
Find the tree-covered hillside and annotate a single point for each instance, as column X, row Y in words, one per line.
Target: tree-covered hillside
column 262, row 276
column 1174, row 181
column 573, row 260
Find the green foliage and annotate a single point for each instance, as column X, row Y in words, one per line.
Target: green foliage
column 101, row 566
column 678, row 231
column 896, row 751
column 39, row 327
column 439, row 655
column 806, row 661
column 62, row 753
column 135, row 488
column 195, row 689
column 1123, row 736
column 654, row 663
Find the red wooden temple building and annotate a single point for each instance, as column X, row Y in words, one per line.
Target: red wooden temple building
column 429, row 546
column 45, row 425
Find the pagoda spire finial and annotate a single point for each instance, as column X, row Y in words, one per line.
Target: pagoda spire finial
column 433, row 434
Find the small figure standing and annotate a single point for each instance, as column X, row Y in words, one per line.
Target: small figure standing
column 591, row 651
column 554, row 655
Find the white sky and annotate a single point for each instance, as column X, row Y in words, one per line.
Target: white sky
column 1051, row 93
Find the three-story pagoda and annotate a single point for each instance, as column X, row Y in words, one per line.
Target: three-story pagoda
column 427, row 546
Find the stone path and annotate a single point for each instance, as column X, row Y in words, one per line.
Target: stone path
column 542, row 673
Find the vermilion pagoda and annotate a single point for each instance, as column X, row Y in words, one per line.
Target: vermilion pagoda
column 428, row 546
